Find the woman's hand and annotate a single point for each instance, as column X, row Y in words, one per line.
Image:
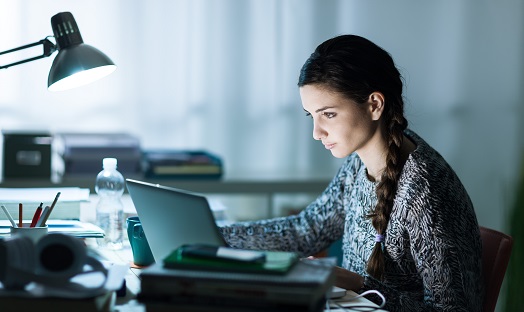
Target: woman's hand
column 346, row 279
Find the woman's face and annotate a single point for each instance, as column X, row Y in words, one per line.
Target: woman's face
column 341, row 124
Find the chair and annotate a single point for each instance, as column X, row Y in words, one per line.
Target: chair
column 496, row 250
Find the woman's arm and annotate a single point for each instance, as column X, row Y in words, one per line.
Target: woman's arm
column 309, row 232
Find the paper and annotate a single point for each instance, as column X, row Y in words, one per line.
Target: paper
column 72, row 227
column 352, row 299
column 46, row 194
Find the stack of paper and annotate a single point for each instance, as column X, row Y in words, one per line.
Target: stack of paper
column 71, row 227
column 67, row 206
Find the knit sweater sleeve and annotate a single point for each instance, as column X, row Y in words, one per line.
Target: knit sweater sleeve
column 309, row 232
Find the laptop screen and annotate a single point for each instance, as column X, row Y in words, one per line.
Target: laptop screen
column 173, row 217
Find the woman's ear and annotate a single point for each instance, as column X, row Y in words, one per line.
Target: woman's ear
column 376, row 105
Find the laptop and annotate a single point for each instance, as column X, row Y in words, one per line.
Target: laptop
column 173, row 217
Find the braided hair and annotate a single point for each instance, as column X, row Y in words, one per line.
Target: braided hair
column 356, row 67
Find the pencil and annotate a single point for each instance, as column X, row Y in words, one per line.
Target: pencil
column 54, row 201
column 20, row 215
column 13, row 223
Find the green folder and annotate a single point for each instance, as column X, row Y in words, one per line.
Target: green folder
column 276, row 262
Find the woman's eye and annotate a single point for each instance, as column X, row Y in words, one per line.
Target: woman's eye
column 329, row 115
column 308, row 115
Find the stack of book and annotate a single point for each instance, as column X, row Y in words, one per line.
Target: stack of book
column 176, row 284
column 181, row 164
column 102, row 303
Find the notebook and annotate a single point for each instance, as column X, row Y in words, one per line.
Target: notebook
column 173, row 217
column 273, row 262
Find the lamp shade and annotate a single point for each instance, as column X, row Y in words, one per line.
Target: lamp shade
column 77, row 63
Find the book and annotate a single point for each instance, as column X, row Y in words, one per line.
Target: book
column 218, row 304
column 101, row 303
column 305, row 285
column 275, row 262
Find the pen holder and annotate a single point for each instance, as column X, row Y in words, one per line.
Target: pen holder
column 34, row 233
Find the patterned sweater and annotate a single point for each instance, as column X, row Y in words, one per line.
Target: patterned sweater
column 432, row 243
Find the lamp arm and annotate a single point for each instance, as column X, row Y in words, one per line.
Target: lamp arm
column 49, row 48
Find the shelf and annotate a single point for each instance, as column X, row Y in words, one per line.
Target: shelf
column 263, row 187
column 229, row 186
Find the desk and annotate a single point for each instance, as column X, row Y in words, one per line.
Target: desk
column 129, row 302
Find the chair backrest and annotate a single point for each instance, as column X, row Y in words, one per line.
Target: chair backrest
column 496, row 250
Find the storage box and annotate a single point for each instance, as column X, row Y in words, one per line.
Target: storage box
column 27, row 154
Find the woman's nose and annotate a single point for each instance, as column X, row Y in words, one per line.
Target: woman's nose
column 318, row 132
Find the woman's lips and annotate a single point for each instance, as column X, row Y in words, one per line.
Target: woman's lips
column 329, row 146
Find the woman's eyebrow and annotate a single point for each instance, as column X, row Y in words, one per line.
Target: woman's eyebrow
column 320, row 109
column 323, row 109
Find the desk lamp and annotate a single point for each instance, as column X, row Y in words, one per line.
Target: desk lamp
column 76, row 64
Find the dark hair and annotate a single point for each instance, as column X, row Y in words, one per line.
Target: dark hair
column 356, row 67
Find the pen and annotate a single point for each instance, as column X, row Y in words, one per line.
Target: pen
column 36, row 215
column 46, row 216
column 20, row 215
column 43, row 217
column 13, row 223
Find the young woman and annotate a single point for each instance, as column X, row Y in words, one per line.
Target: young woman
column 407, row 224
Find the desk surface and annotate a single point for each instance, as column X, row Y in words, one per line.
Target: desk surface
column 129, row 302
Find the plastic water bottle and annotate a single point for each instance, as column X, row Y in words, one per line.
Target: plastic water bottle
column 109, row 210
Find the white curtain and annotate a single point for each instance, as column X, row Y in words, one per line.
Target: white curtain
column 218, row 75
column 221, row 75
